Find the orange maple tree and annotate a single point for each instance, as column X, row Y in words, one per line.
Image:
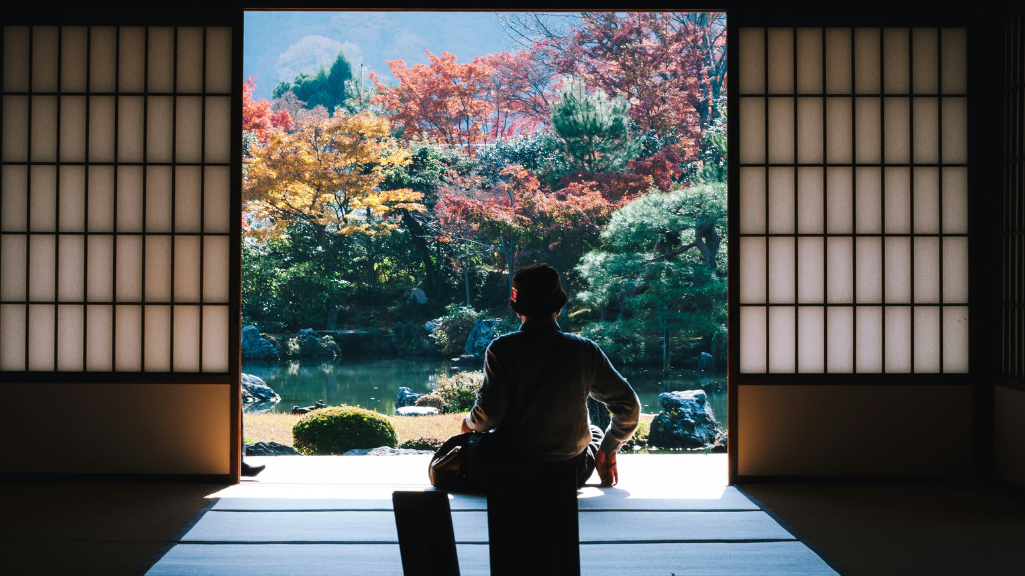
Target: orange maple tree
column 257, row 115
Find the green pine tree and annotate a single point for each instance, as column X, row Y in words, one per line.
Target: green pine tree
column 594, row 128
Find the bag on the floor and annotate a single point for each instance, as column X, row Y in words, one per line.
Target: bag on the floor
column 461, row 462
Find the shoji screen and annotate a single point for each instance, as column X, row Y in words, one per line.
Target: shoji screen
column 116, row 233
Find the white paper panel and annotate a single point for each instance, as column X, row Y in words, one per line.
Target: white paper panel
column 13, row 251
column 838, row 60
column 217, row 214
column 955, row 200
column 869, row 357
column 868, row 129
column 898, row 339
column 839, row 339
column 44, row 58
column 897, row 262
column 16, row 59
column 99, row 328
column 809, row 130
column 955, row 270
column 869, row 261
column 751, row 50
column 955, row 339
column 100, row 279
column 810, row 269
column 188, row 128
column 926, row 130
column 897, row 200
column 782, row 338
column 810, row 216
column 74, row 44
column 186, row 339
column 186, row 268
column 72, row 129
column 752, row 340
column 42, row 265
column 15, row 124
column 102, row 58
column 190, row 59
column 161, row 59
column 839, row 135
column 896, row 78
column 129, row 268
column 216, row 268
column 41, row 318
column 44, row 128
column 101, row 128
column 218, row 59
column 954, row 54
column 924, row 60
column 131, row 120
column 158, row 268
column 927, row 339
column 131, row 59
column 12, row 336
column 781, row 200
column 781, row 60
column 955, row 130
column 159, row 128
column 866, row 61
column 158, row 199
column 14, row 199
column 187, row 199
column 752, row 270
column 215, row 338
column 129, row 198
column 218, row 129
column 809, row 60
column 752, row 201
column 101, row 198
column 751, row 121
column 868, row 200
column 810, row 335
column 71, row 266
column 839, row 270
column 839, row 201
column 897, row 126
column 43, row 197
column 781, row 130
column 927, row 270
column 128, row 338
column 158, row 339
column 70, row 332
column 782, row 261
column 927, row 200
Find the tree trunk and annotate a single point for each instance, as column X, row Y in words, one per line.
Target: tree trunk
column 466, row 279
column 331, row 313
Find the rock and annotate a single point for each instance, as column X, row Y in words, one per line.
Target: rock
column 415, row 296
column 255, row 390
column 705, row 362
column 598, row 413
column 431, row 325
column 270, row 449
column 416, row 411
column 467, row 360
column 308, row 409
column 255, row 347
column 406, row 397
column 686, row 421
column 481, row 335
column 387, row 451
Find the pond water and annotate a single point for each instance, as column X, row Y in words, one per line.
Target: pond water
column 374, row 382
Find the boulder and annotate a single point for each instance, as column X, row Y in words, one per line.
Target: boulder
column 705, row 362
column 415, row 297
column 257, row 396
column 255, row 347
column 416, row 411
column 686, row 421
column 406, row 397
column 269, row 449
column 432, row 325
column 311, row 345
column 387, row 451
column 598, row 413
column 481, row 335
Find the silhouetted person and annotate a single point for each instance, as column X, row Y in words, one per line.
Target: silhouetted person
column 564, row 369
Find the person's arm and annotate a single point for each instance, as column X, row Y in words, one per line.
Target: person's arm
column 610, row 388
column 489, row 408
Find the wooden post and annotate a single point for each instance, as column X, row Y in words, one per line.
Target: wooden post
column 427, row 542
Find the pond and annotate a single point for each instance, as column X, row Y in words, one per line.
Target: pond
column 374, row 382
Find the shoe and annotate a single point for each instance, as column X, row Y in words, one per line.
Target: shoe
column 248, row 470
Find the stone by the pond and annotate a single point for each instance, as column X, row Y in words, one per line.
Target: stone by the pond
column 256, row 391
column 467, row 360
column 312, row 345
column 705, row 362
column 416, row 411
column 406, row 397
column 481, row 335
column 386, row 451
column 307, row 409
column 686, row 421
column 255, row 347
column 270, row 449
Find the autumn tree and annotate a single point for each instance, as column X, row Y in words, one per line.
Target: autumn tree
column 257, row 115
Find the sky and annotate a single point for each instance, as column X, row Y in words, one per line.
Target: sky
column 278, row 45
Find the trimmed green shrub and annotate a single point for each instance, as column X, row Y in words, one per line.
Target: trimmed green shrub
column 432, row 401
column 422, row 443
column 338, row 429
column 459, row 391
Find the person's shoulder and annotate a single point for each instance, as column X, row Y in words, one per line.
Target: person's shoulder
column 579, row 340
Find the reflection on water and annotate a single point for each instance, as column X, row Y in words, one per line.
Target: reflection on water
column 374, row 382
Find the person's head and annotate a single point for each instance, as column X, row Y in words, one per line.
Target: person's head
column 537, row 291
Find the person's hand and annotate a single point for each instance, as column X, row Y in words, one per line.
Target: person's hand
column 466, row 427
column 607, row 470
